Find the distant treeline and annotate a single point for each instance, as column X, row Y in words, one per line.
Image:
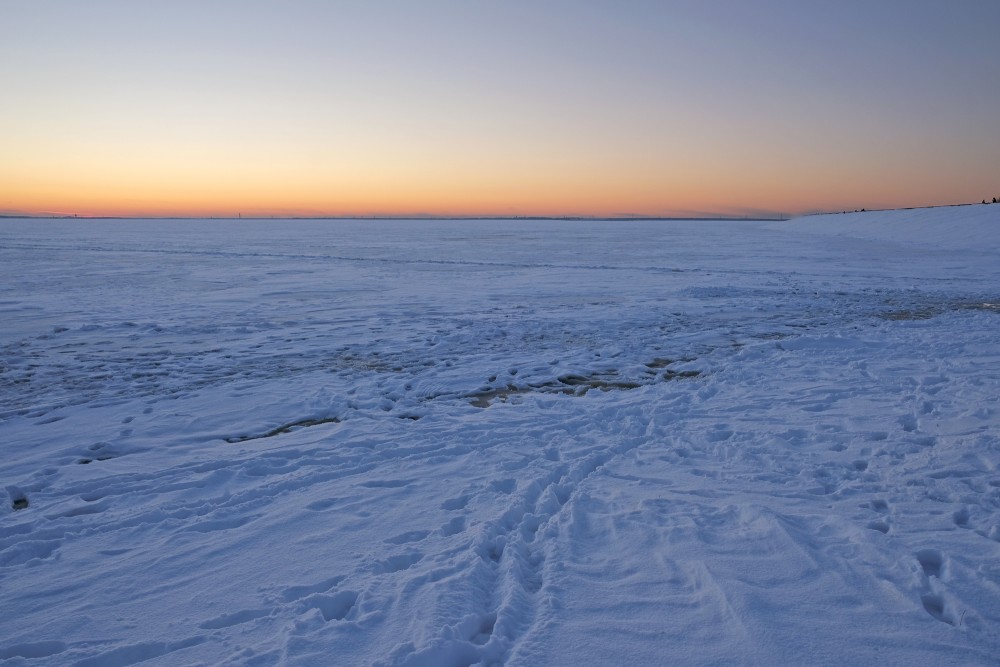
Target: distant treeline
column 996, row 200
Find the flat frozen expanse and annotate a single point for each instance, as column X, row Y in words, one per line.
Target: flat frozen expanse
column 515, row 442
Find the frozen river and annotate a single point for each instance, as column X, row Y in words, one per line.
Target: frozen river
column 490, row 441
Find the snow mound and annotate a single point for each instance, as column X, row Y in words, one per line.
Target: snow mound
column 973, row 228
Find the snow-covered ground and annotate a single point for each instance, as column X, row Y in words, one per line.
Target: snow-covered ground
column 515, row 442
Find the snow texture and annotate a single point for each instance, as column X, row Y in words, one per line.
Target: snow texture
column 501, row 442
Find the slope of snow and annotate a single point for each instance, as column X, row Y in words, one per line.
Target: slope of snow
column 970, row 228
column 501, row 442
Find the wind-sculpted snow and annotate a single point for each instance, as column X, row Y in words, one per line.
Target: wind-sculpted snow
column 500, row 442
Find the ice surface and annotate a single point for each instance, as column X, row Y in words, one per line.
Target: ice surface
column 518, row 442
column 972, row 228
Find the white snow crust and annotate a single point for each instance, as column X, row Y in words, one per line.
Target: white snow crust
column 501, row 442
column 971, row 227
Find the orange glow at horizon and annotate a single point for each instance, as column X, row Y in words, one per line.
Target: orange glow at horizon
column 693, row 187
column 513, row 109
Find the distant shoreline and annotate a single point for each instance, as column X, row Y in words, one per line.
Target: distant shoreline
column 613, row 218
column 394, row 217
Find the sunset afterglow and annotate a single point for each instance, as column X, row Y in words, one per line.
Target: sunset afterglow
column 454, row 108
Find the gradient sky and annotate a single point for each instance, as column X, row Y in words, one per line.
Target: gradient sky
column 671, row 107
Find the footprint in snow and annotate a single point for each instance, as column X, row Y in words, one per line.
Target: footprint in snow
column 322, row 505
column 453, row 527
column 879, row 525
column 18, row 498
column 908, row 422
column 934, row 605
column 99, row 451
column 931, row 561
column 879, row 505
column 332, row 607
column 503, row 485
column 458, row 503
column 484, row 631
column 405, row 538
column 719, row 433
column 398, row 562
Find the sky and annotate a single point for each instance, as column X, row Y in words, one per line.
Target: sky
column 460, row 107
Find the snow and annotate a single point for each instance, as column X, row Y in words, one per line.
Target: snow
column 501, row 442
column 968, row 227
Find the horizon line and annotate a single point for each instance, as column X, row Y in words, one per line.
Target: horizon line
column 610, row 218
column 45, row 216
